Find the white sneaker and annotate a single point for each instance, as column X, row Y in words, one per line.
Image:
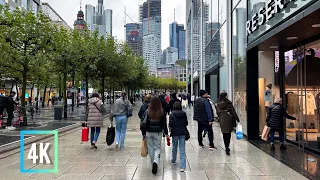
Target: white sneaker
column 13, row 128
column 117, row 146
column 182, row 170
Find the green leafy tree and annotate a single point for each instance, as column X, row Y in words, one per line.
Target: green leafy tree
column 24, row 37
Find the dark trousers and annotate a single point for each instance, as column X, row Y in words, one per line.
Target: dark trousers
column 226, row 139
column 201, row 128
column 281, row 135
column 1, row 111
column 10, row 117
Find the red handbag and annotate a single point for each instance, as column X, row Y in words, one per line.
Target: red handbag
column 85, row 133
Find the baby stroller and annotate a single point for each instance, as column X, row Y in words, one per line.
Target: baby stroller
column 19, row 121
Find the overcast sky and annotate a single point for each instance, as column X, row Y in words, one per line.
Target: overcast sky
column 68, row 9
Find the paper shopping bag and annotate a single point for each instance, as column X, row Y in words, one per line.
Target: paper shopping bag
column 265, row 133
column 144, row 148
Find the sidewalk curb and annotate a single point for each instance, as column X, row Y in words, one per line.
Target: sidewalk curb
column 14, row 147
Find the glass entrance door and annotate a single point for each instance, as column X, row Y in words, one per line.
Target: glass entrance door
column 302, row 89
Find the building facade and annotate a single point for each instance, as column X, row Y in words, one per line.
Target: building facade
column 134, row 38
column 54, row 16
column 171, row 55
column 151, row 49
column 177, row 38
column 257, row 53
column 79, row 24
column 99, row 19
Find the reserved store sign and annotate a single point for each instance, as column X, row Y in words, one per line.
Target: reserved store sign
column 265, row 14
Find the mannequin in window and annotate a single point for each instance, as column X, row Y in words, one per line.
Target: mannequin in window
column 268, row 96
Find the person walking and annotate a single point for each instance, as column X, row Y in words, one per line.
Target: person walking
column 10, row 105
column 203, row 114
column 189, row 100
column 173, row 100
column 120, row 112
column 152, row 128
column 2, row 105
column 178, row 122
column 95, row 118
column 227, row 118
column 165, row 105
column 275, row 114
column 184, row 102
column 192, row 99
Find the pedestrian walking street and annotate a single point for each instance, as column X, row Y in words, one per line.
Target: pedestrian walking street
column 78, row 161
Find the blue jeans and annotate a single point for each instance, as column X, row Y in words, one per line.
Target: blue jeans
column 121, row 128
column 281, row 136
column 182, row 148
column 95, row 132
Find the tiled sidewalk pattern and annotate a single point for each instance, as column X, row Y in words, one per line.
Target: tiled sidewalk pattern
column 78, row 161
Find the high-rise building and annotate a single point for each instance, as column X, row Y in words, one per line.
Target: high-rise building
column 152, row 52
column 99, row 19
column 150, row 18
column 171, row 54
column 182, row 44
column 177, row 38
column 134, row 38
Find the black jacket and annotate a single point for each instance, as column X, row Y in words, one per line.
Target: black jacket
column 155, row 126
column 275, row 114
column 143, row 109
column 10, row 103
column 171, row 103
column 165, row 106
column 178, row 122
column 3, row 102
column 199, row 111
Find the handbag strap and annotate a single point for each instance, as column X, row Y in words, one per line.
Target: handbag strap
column 97, row 108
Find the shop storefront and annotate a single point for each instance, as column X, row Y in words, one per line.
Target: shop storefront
column 283, row 60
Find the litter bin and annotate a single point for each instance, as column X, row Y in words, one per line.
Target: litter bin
column 58, row 110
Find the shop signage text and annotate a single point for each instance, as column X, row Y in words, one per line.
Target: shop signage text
column 265, row 14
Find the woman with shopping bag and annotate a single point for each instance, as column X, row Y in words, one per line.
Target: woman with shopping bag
column 275, row 114
column 95, row 118
column 152, row 127
column 228, row 119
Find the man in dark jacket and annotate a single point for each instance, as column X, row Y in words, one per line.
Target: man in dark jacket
column 165, row 105
column 173, row 100
column 10, row 103
column 203, row 114
column 275, row 114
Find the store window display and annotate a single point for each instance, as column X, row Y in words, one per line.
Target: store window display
column 302, row 88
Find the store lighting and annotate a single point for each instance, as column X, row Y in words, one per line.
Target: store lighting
column 292, row 38
column 316, row 26
column 273, row 47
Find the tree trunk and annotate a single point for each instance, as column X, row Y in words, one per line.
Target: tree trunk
column 73, row 92
column 38, row 93
column 23, row 99
column 18, row 91
column 44, row 95
column 87, row 89
column 49, row 94
column 60, row 88
column 65, row 108
column 102, row 84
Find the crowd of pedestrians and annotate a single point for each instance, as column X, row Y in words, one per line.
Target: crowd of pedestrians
column 163, row 116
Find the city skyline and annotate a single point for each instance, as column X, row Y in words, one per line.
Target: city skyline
column 132, row 10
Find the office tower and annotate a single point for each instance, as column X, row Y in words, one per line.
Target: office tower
column 177, row 38
column 99, row 19
column 150, row 18
column 171, row 54
column 134, row 38
column 152, row 52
